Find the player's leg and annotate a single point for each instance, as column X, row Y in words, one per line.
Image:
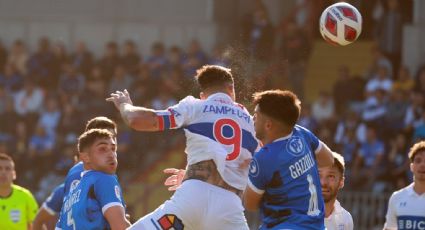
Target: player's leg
column 184, row 210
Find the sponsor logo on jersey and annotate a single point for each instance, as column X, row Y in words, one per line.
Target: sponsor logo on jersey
column 74, row 184
column 253, row 168
column 295, row 146
column 15, row 215
column 411, row 222
column 118, row 192
column 170, row 222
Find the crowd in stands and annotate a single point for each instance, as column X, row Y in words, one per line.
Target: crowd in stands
column 48, row 94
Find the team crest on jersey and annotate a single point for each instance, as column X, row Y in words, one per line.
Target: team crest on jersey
column 117, row 192
column 253, row 168
column 295, row 146
column 15, row 215
column 170, row 222
column 74, row 184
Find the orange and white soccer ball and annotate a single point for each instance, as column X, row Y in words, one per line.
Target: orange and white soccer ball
column 340, row 24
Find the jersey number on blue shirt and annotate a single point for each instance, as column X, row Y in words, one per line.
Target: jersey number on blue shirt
column 313, row 206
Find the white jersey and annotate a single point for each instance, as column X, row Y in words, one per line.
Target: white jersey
column 216, row 128
column 406, row 210
column 340, row 219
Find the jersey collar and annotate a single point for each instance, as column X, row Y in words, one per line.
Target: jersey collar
column 222, row 96
column 284, row 138
column 411, row 191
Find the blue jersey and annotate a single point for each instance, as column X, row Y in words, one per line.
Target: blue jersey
column 285, row 172
column 73, row 177
column 53, row 203
column 84, row 206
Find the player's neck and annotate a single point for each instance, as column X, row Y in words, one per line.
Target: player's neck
column 329, row 207
column 5, row 191
column 419, row 187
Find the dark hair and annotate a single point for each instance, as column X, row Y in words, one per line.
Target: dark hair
column 100, row 123
column 209, row 76
column 418, row 147
column 281, row 105
column 5, row 157
column 89, row 137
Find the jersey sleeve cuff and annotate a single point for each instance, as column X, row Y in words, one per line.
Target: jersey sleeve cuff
column 255, row 189
column 104, row 208
column 48, row 209
column 319, row 147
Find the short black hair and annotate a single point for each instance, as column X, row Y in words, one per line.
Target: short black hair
column 100, row 123
column 210, row 76
column 416, row 148
column 89, row 137
column 282, row 105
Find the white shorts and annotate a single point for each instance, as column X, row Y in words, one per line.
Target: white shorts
column 197, row 205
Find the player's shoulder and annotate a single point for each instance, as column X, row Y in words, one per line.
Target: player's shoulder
column 99, row 176
column 301, row 129
column 76, row 169
column 402, row 192
column 21, row 191
column 189, row 99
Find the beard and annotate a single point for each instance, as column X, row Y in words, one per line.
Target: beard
column 331, row 195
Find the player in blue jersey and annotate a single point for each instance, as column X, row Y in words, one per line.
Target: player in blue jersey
column 284, row 182
column 96, row 201
column 51, row 207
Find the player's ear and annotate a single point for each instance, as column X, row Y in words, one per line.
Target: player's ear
column 342, row 182
column 202, row 95
column 14, row 174
column 84, row 156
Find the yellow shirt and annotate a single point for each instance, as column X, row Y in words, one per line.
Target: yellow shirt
column 18, row 209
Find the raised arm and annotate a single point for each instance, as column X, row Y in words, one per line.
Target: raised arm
column 324, row 156
column 138, row 118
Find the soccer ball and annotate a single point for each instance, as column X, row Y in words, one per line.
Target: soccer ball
column 340, row 24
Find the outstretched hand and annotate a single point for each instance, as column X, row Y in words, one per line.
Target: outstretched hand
column 120, row 97
column 175, row 180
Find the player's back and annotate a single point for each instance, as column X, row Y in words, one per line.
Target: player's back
column 287, row 170
column 217, row 128
column 83, row 206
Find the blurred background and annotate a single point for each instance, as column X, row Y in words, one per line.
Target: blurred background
column 59, row 60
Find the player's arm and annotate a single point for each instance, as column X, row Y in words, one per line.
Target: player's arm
column 324, row 156
column 42, row 217
column 257, row 181
column 141, row 118
column 251, row 199
column 47, row 214
column 115, row 215
column 108, row 193
column 391, row 218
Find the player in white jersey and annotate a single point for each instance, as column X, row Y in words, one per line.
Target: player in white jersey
column 406, row 208
column 332, row 180
column 220, row 140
